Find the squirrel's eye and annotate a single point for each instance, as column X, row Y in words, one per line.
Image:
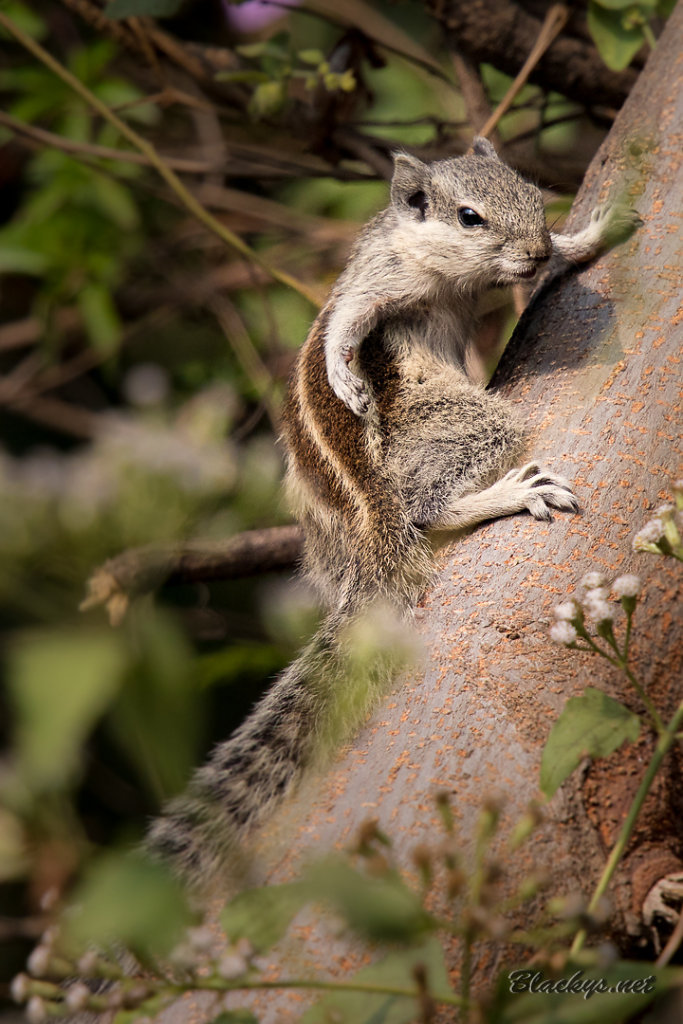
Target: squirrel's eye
column 418, row 201
column 469, row 218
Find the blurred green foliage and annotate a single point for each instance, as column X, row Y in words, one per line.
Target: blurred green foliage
column 107, row 906
column 79, row 227
column 275, row 65
column 362, row 893
column 621, row 27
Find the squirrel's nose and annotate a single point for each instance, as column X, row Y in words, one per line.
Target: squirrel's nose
column 538, row 253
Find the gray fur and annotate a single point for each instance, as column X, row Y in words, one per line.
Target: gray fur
column 410, row 253
column 431, row 451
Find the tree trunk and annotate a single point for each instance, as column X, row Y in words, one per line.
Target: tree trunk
column 594, row 367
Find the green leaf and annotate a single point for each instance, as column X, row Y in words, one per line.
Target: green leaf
column 60, row 682
column 232, row 663
column 267, row 48
column 382, row 908
column 617, row 5
column 116, row 202
column 592, row 725
column 142, row 8
column 25, row 19
column 616, row 43
column 154, row 719
column 266, row 99
column 395, row 971
column 312, row 56
column 14, row 861
column 100, row 317
column 127, row 899
column 14, row 259
column 89, row 62
column 263, row 915
column 247, row 76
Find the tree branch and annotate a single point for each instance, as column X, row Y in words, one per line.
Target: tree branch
column 46, row 138
column 555, row 20
column 143, row 569
column 501, row 32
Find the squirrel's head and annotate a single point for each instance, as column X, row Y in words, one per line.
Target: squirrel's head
column 472, row 218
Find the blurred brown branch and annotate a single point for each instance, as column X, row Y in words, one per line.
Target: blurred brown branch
column 46, row 138
column 503, row 33
column 141, row 570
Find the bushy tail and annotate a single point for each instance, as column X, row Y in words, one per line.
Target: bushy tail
column 313, row 706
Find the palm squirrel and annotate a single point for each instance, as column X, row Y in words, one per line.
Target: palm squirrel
column 386, row 440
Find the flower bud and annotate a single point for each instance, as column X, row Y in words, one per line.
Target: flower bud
column 36, row 1011
column 20, row 987
column 563, row 632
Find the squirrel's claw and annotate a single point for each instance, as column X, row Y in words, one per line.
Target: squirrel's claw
column 538, row 490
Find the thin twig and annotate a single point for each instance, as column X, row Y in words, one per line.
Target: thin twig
column 554, row 22
column 14, row 383
column 473, row 93
column 160, row 165
column 675, row 940
column 124, row 33
column 531, row 133
column 238, row 338
column 21, row 333
column 55, row 141
column 51, row 412
column 176, row 52
column 95, row 16
column 362, row 148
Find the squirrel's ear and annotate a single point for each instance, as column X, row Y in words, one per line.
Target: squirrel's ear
column 482, row 147
column 409, row 181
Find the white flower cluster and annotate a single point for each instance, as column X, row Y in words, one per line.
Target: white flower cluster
column 592, row 604
column 662, row 534
column 129, row 455
column 595, row 606
column 162, row 451
column 198, row 953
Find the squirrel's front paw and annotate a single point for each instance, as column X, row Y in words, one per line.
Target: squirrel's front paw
column 539, row 491
column 348, row 387
column 615, row 222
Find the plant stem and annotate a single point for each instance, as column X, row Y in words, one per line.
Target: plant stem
column 147, row 149
column 665, row 741
column 649, row 35
column 465, row 973
column 218, row 985
column 620, row 663
column 652, row 710
column 627, row 638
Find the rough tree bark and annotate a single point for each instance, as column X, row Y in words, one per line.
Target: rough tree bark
column 594, row 366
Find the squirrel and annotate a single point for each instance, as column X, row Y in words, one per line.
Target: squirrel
column 386, row 441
